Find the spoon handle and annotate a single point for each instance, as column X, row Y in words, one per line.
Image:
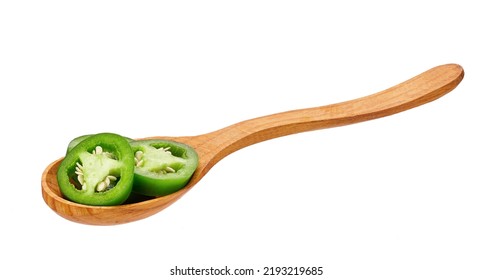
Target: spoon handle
column 414, row 92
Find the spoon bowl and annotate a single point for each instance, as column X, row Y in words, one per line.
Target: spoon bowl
column 214, row 146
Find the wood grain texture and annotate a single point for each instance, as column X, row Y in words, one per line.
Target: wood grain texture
column 214, row 146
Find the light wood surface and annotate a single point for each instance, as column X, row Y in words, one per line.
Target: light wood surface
column 214, row 146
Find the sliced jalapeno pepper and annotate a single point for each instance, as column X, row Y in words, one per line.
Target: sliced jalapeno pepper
column 98, row 171
column 161, row 166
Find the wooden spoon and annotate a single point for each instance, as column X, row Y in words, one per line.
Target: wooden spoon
column 214, row 146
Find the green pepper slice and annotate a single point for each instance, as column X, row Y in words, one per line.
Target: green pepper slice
column 161, row 166
column 98, row 170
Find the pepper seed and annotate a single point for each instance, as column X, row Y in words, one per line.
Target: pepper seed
column 80, row 178
column 101, row 186
column 98, row 150
column 169, row 169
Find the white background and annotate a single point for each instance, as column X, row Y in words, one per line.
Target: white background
column 404, row 197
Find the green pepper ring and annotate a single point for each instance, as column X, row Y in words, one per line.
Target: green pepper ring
column 162, row 174
column 121, row 168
